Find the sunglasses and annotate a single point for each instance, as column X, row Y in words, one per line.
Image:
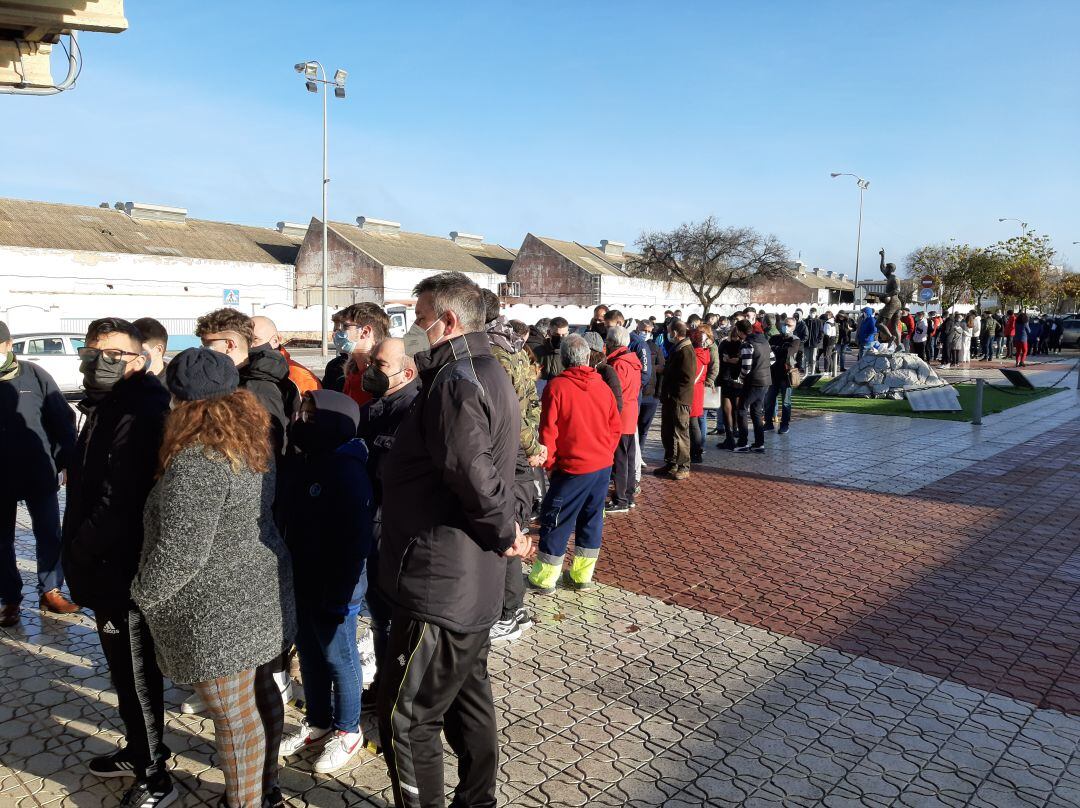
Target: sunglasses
column 111, row 355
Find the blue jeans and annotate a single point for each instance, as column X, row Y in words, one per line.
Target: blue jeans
column 330, row 665
column 574, row 504
column 646, row 412
column 842, row 350
column 45, row 517
column 750, row 409
column 991, row 348
column 783, row 395
column 698, row 430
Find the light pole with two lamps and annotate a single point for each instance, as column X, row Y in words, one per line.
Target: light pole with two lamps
column 863, row 185
column 311, row 70
column 1023, row 225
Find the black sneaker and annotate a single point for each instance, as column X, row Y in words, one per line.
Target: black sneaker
column 758, row 449
column 613, row 507
column 524, row 618
column 149, row 794
column 741, row 449
column 726, row 444
column 783, row 430
column 117, row 764
column 769, row 427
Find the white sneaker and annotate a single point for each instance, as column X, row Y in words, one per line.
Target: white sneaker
column 192, row 705
column 306, row 737
column 339, row 751
column 505, row 630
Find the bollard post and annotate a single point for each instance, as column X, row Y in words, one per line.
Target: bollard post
column 977, row 410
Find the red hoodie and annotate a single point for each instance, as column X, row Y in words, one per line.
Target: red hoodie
column 628, row 368
column 579, row 422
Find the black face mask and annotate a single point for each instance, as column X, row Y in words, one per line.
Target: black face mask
column 555, row 340
column 100, row 375
column 375, row 382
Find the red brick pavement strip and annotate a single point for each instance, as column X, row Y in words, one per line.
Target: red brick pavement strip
column 975, row 578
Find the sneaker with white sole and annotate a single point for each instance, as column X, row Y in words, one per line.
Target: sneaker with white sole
column 306, row 737
column 155, row 793
column 524, row 618
column 339, row 751
column 193, row 705
column 505, row 630
column 115, row 764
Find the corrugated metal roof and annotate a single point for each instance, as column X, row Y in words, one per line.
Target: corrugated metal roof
column 49, row 225
column 822, row 282
column 590, row 259
column 402, row 249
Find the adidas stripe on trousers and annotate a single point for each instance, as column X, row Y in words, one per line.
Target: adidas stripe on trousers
column 433, row 679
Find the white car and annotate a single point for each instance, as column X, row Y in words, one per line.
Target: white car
column 58, row 354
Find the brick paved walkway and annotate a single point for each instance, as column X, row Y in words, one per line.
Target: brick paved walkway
column 774, row 647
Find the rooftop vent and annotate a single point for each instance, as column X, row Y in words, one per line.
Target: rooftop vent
column 818, row 271
column 154, row 213
column 843, row 277
column 369, row 225
column 612, row 248
column 291, row 229
column 466, row 239
column 828, row 273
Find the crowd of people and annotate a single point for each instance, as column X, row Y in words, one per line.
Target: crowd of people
column 228, row 506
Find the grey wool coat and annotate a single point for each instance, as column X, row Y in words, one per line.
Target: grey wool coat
column 215, row 577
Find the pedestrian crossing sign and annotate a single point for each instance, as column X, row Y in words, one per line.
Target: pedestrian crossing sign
column 230, row 297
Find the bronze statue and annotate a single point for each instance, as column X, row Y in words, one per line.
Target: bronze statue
column 889, row 316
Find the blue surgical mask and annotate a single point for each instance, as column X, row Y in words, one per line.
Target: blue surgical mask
column 342, row 342
column 783, row 328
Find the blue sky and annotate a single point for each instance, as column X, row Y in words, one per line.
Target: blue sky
column 581, row 120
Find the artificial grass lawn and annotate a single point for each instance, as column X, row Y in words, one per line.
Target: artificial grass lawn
column 994, row 401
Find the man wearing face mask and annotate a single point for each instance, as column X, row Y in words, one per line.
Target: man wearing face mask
column 548, row 355
column 112, row 472
column 263, row 371
column 155, row 343
column 391, row 380
column 447, row 531
column 362, row 327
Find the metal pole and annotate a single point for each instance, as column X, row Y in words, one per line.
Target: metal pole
column 325, row 224
column 858, row 245
column 977, row 410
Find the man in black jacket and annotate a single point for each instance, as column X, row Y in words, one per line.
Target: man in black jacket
column 785, row 348
column 391, row 380
column 815, row 330
column 756, row 376
column 263, row 371
column 676, row 396
column 649, row 401
column 109, row 479
column 37, row 433
column 447, row 529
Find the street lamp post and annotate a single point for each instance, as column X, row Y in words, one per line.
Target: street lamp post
column 1023, row 225
column 863, row 186
column 311, row 71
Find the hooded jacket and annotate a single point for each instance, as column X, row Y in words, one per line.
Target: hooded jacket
column 627, row 367
column 448, row 501
column 37, row 430
column 640, row 346
column 697, row 405
column 507, row 347
column 266, row 375
column 679, row 373
column 786, row 349
column 550, row 359
column 300, row 376
column 109, row 478
column 330, row 507
column 579, row 422
column 867, row 328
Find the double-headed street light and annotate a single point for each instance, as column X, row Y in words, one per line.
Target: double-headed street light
column 863, row 185
column 1023, row 225
column 310, row 71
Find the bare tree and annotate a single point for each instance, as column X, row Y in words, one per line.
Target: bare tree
column 709, row 258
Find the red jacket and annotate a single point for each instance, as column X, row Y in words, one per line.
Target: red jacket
column 697, row 406
column 628, row 368
column 909, row 324
column 579, row 422
column 1010, row 326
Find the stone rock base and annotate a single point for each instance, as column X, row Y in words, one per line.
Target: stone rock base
column 883, row 375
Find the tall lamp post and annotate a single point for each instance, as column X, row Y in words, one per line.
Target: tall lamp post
column 311, row 71
column 1023, row 225
column 863, row 185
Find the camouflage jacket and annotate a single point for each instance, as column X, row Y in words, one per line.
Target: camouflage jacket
column 518, row 367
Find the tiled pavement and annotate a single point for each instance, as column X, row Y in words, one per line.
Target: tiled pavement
column 765, row 636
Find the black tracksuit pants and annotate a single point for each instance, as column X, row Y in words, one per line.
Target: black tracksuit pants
column 434, row 680
column 140, row 689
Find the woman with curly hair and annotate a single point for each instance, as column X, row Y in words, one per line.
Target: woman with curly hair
column 215, row 579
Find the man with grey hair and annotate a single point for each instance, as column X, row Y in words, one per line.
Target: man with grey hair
column 627, row 366
column 580, row 427
column 447, row 529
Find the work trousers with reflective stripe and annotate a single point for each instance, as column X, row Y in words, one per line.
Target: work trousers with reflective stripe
column 435, row 679
column 140, row 690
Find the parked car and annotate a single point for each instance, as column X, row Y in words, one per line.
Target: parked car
column 1070, row 333
column 58, row 354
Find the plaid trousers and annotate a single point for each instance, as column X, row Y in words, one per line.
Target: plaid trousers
column 248, row 720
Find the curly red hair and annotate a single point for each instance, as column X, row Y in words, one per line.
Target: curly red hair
column 235, row 426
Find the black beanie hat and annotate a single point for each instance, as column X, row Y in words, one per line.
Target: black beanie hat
column 199, row 373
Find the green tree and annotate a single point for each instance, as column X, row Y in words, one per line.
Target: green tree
column 946, row 263
column 1027, row 261
column 983, row 270
column 709, row 258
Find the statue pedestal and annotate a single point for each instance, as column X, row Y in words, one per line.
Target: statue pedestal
column 884, row 374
